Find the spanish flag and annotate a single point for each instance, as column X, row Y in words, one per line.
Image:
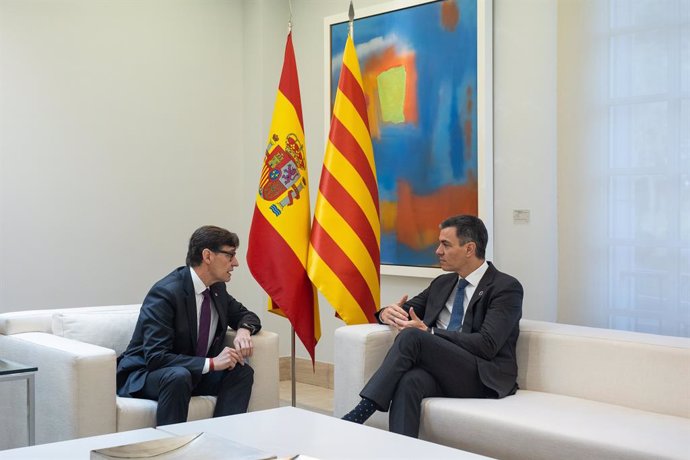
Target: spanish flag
column 344, row 251
column 279, row 234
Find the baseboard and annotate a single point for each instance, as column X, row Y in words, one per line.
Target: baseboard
column 321, row 374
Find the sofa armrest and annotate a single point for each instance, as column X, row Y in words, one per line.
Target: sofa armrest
column 359, row 351
column 75, row 388
column 266, row 389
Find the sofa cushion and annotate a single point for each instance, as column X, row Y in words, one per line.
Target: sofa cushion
column 18, row 322
column 135, row 413
column 536, row 425
column 109, row 329
column 642, row 371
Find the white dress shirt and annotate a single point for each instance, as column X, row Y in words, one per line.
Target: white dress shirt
column 199, row 288
column 473, row 280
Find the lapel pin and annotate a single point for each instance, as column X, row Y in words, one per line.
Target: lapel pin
column 480, row 293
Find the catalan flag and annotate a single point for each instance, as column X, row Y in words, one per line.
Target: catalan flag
column 344, row 253
column 279, row 235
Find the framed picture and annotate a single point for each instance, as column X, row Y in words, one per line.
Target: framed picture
column 426, row 71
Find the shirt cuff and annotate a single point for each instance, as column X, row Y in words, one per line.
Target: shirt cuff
column 207, row 366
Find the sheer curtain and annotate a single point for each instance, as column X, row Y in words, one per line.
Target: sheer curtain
column 624, row 164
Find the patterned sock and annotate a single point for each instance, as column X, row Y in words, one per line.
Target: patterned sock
column 362, row 412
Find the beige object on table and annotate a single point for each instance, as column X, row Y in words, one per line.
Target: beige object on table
column 204, row 446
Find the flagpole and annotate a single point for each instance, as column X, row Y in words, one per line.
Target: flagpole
column 293, row 377
column 292, row 369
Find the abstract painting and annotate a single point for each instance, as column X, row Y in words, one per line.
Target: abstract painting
column 419, row 69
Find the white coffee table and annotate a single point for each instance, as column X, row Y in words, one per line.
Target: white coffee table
column 80, row 449
column 288, row 431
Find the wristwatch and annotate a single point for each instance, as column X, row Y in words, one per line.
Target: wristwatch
column 251, row 328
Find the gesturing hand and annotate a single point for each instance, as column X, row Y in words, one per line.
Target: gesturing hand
column 394, row 314
column 415, row 321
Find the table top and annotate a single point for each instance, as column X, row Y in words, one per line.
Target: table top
column 288, row 431
column 80, row 449
column 12, row 367
column 284, row 432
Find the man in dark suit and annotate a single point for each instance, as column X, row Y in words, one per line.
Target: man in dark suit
column 432, row 355
column 177, row 350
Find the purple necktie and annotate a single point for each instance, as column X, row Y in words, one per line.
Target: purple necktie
column 204, row 324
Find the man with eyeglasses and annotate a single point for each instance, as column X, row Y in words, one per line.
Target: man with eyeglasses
column 177, row 350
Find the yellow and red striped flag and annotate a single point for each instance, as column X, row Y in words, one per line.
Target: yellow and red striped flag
column 344, row 252
column 279, row 235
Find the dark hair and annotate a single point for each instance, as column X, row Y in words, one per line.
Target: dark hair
column 209, row 237
column 469, row 228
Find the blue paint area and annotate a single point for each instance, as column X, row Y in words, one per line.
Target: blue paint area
column 396, row 253
column 432, row 153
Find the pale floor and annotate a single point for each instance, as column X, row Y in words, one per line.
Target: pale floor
column 310, row 397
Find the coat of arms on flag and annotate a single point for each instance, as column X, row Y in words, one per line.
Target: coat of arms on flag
column 283, row 171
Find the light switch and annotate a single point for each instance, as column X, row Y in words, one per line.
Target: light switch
column 521, row 216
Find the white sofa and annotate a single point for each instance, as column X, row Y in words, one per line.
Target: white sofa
column 584, row 393
column 75, row 350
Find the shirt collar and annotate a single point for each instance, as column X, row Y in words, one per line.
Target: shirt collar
column 476, row 276
column 199, row 286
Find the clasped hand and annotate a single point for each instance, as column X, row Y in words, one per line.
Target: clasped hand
column 396, row 316
column 228, row 358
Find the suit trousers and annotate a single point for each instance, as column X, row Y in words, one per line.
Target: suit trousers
column 173, row 387
column 421, row 365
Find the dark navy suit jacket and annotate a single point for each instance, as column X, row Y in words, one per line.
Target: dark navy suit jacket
column 490, row 326
column 166, row 331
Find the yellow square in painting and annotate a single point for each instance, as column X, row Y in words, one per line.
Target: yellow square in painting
column 391, row 91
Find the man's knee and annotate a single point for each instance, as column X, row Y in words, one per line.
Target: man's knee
column 246, row 372
column 410, row 378
column 177, row 378
column 241, row 373
column 410, row 337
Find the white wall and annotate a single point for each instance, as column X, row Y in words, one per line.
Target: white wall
column 525, row 149
column 118, row 125
column 125, row 125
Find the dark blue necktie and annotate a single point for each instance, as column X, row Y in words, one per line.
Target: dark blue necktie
column 456, row 315
column 204, row 324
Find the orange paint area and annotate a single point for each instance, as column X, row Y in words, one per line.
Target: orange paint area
column 450, row 15
column 415, row 219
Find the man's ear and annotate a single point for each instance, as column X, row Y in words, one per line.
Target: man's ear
column 206, row 255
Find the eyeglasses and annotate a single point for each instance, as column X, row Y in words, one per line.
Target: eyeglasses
column 231, row 254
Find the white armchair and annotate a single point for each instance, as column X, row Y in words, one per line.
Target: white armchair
column 75, row 350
